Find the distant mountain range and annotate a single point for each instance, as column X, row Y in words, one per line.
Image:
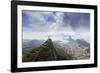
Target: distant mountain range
column 79, row 48
column 30, row 44
column 38, row 50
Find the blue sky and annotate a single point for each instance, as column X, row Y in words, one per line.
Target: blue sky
column 40, row 21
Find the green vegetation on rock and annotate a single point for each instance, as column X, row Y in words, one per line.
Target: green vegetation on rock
column 45, row 52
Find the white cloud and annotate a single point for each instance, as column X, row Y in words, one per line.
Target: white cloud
column 41, row 29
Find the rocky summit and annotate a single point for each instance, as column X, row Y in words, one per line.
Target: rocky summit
column 45, row 52
column 58, row 50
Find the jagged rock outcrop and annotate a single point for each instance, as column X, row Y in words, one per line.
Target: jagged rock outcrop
column 46, row 52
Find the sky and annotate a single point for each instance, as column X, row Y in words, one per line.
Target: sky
column 41, row 24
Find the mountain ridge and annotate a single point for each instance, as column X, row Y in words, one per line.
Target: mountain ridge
column 45, row 52
column 52, row 51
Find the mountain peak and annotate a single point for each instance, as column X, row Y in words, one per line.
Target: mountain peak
column 70, row 39
column 45, row 52
column 49, row 41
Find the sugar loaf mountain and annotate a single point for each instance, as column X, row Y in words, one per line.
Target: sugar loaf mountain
column 37, row 50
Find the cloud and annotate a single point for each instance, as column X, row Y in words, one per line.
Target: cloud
column 37, row 21
column 39, row 24
column 77, row 20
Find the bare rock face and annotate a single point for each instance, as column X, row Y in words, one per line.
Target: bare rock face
column 52, row 51
column 45, row 52
column 78, row 49
column 48, row 52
